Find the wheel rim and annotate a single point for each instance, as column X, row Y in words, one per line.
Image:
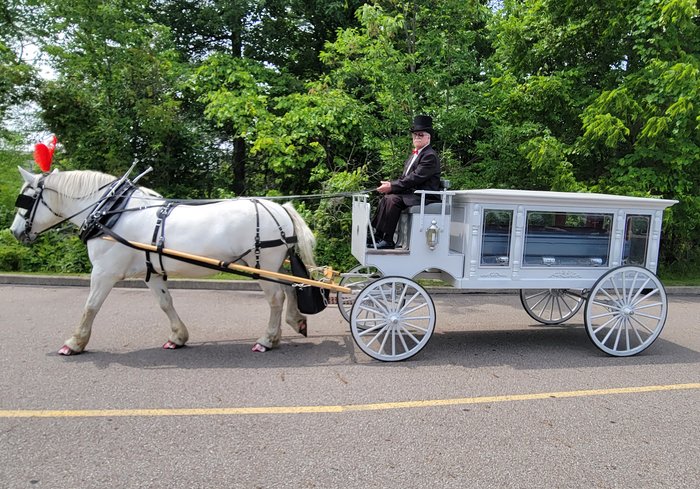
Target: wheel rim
column 551, row 306
column 626, row 311
column 392, row 319
column 356, row 279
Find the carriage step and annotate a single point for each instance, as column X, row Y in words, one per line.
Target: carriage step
column 395, row 251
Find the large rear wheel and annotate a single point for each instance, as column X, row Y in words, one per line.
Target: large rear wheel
column 626, row 311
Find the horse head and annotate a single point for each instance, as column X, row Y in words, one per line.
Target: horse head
column 30, row 211
column 47, row 200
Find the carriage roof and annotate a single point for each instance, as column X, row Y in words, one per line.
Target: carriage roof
column 568, row 199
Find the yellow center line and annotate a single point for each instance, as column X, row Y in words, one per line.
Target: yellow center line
column 382, row 406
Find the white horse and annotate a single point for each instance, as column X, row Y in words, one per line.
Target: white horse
column 224, row 230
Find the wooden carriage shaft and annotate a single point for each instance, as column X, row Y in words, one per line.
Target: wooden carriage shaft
column 237, row 268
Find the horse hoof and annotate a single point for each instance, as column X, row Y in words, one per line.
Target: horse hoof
column 66, row 351
column 302, row 328
column 258, row 348
column 169, row 345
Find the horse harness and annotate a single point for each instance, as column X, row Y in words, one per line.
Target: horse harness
column 113, row 204
column 158, row 240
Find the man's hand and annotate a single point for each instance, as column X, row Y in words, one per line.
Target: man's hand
column 384, row 187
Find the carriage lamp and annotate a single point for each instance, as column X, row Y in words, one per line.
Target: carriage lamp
column 431, row 235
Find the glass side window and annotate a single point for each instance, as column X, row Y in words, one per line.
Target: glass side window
column 567, row 239
column 636, row 240
column 495, row 241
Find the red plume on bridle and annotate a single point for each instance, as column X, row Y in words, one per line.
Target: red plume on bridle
column 43, row 154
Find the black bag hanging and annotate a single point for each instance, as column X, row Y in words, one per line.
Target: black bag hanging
column 310, row 299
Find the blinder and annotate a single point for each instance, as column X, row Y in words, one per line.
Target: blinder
column 26, row 202
column 30, row 204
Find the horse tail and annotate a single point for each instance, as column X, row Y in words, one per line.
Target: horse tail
column 306, row 241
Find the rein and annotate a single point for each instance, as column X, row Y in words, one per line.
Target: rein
column 273, row 197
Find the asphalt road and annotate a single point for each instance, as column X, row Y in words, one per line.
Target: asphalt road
column 494, row 400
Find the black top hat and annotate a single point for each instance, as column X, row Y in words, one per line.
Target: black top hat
column 422, row 123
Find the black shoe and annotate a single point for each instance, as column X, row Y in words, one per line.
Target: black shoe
column 386, row 245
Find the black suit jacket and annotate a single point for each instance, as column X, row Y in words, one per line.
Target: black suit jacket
column 423, row 175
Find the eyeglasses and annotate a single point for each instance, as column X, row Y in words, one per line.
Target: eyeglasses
column 418, row 134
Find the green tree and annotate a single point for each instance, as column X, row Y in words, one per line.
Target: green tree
column 116, row 96
column 16, row 76
column 282, row 35
column 609, row 94
column 416, row 57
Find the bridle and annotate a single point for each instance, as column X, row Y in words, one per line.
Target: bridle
column 30, row 204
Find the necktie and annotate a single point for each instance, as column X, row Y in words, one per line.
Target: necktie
column 413, row 160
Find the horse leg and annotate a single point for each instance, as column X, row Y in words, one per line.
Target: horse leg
column 100, row 286
column 178, row 331
column 294, row 318
column 275, row 298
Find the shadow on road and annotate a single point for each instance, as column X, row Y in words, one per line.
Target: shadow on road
column 538, row 347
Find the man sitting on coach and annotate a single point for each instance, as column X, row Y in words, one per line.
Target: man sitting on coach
column 421, row 171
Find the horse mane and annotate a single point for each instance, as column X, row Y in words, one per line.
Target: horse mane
column 77, row 184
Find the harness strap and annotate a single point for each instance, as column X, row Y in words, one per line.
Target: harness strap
column 269, row 243
column 159, row 242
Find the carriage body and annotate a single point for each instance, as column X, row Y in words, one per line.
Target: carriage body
column 519, row 239
column 555, row 247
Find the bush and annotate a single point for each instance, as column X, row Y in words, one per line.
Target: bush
column 12, row 253
column 53, row 252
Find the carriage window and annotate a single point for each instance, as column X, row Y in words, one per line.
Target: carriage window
column 567, row 239
column 636, row 240
column 495, row 242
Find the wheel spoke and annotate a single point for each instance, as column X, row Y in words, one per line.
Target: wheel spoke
column 371, row 310
column 643, row 326
column 647, row 296
column 636, row 333
column 648, row 316
column 605, row 324
column 545, row 305
column 647, row 306
column 622, row 323
column 374, row 329
column 614, row 327
column 414, row 326
column 559, row 303
column 410, row 335
column 544, row 294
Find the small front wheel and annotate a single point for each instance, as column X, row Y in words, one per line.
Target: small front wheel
column 392, row 319
column 551, row 306
column 626, row 311
column 356, row 279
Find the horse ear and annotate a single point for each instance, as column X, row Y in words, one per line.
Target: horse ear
column 30, row 178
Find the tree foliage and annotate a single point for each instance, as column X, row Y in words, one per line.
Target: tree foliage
column 17, row 78
column 288, row 97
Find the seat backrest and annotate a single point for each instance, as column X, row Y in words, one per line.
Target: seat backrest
column 432, row 208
